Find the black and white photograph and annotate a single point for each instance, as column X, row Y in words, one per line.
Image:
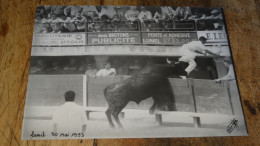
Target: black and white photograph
column 131, row 72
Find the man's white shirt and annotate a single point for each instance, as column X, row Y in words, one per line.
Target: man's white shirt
column 190, row 48
column 106, row 72
column 69, row 118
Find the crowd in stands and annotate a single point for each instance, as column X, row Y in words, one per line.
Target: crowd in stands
column 127, row 65
column 81, row 65
column 57, row 19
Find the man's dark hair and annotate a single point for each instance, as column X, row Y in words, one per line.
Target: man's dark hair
column 69, row 96
column 202, row 38
column 108, row 63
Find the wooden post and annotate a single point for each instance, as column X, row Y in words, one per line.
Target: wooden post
column 197, row 122
column 158, row 118
column 87, row 114
column 191, row 85
column 229, row 96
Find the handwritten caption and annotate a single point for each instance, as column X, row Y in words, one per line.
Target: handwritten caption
column 56, row 134
column 233, row 124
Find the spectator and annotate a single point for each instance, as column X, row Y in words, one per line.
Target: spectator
column 145, row 18
column 67, row 24
column 80, row 21
column 132, row 15
column 40, row 11
column 187, row 13
column 135, row 67
column 85, row 62
column 72, row 11
column 167, row 11
column 230, row 75
column 55, row 23
column 69, row 117
column 55, row 69
column 91, row 71
column 115, row 22
column 215, row 14
column 57, row 10
column 159, row 16
column 38, row 24
column 45, row 26
column 120, row 12
column 109, row 11
column 107, row 71
column 40, row 67
column 182, row 13
column 72, row 66
column 89, row 11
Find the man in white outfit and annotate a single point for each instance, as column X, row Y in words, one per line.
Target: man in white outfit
column 189, row 51
column 70, row 117
column 107, row 71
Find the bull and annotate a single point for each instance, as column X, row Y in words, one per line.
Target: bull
column 151, row 81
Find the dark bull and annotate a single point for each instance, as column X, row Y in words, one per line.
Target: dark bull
column 151, row 81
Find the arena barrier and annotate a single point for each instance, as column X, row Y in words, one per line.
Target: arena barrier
column 208, row 99
column 46, row 92
column 194, row 98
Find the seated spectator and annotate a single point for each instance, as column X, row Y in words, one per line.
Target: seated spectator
column 167, row 11
column 89, row 11
column 216, row 18
column 135, row 67
column 120, row 12
column 145, row 18
column 109, row 11
column 187, row 13
column 106, row 23
column 55, row 68
column 85, row 62
column 45, row 26
column 41, row 11
column 80, row 22
column 72, row 11
column 115, row 22
column 40, row 67
column 72, row 66
column 91, row 71
column 230, row 75
column 107, row 71
column 132, row 15
column 122, row 70
column 196, row 16
column 38, row 24
column 67, row 24
column 205, row 24
column 215, row 14
column 159, row 16
column 55, row 23
column 57, row 10
column 181, row 13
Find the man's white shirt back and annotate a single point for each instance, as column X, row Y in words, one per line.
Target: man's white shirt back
column 69, row 118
